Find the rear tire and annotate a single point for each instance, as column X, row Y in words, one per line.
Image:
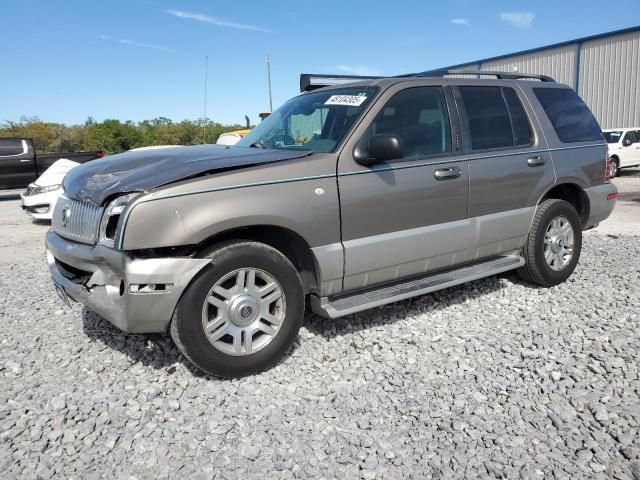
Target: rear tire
column 614, row 167
column 553, row 246
column 241, row 314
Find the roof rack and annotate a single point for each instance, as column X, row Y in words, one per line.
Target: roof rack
column 313, row 81
column 494, row 73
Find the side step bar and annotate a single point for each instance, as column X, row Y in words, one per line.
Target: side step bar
column 363, row 300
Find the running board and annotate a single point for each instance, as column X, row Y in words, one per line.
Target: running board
column 357, row 302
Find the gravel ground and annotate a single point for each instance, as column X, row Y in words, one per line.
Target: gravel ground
column 495, row 379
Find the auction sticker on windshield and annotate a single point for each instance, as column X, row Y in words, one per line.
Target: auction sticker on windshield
column 349, row 100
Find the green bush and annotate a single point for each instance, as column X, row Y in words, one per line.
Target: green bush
column 113, row 136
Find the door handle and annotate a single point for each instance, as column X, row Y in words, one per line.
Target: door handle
column 536, row 161
column 25, row 160
column 447, row 173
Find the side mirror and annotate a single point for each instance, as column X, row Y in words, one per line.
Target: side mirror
column 626, row 142
column 381, row 147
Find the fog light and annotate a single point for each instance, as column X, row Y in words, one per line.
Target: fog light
column 148, row 287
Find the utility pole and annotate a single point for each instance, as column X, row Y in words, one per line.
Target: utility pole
column 204, row 103
column 268, row 60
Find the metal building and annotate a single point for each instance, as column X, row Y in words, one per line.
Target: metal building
column 604, row 69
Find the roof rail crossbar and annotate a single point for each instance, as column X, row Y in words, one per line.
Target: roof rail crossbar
column 312, row 81
column 494, row 73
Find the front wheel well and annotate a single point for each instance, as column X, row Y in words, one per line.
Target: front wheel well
column 289, row 243
column 573, row 194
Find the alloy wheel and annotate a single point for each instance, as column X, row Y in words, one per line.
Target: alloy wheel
column 558, row 243
column 243, row 311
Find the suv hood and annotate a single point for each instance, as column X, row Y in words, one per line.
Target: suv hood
column 143, row 170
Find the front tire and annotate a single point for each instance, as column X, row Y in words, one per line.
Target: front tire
column 614, row 167
column 241, row 314
column 553, row 246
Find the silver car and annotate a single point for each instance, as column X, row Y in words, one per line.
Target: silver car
column 344, row 199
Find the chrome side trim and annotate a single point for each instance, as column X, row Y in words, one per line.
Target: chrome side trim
column 159, row 196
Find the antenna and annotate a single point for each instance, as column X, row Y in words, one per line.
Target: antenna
column 268, row 60
column 204, row 103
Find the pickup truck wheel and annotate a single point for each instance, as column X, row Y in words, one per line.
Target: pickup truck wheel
column 552, row 248
column 614, row 167
column 241, row 314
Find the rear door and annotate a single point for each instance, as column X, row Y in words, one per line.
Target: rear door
column 630, row 154
column 407, row 216
column 509, row 165
column 626, row 151
column 17, row 163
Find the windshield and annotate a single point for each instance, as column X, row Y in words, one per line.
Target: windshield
column 312, row 121
column 612, row 137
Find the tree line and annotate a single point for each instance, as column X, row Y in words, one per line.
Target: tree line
column 113, row 136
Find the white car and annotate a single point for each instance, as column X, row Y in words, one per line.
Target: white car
column 231, row 138
column 41, row 196
column 624, row 148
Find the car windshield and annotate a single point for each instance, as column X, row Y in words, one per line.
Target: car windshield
column 314, row 121
column 613, row 136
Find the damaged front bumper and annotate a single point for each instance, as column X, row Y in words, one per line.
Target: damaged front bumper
column 136, row 295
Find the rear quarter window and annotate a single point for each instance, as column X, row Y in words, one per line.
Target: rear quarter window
column 10, row 146
column 571, row 118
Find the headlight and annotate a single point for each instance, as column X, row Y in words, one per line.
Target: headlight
column 110, row 218
column 36, row 190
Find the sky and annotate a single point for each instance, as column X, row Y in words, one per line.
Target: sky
column 64, row 61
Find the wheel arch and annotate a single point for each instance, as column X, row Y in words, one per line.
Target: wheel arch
column 286, row 241
column 572, row 193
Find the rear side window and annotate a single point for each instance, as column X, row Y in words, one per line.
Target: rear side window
column 571, row 118
column 630, row 136
column 10, row 146
column 496, row 117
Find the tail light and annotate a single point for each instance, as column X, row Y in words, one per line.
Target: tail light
column 99, row 154
column 607, row 170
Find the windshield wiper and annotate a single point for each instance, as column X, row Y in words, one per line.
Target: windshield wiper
column 257, row 145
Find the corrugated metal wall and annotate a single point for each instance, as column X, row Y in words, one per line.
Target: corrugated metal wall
column 559, row 63
column 609, row 79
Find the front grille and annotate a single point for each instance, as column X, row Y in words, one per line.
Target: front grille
column 78, row 221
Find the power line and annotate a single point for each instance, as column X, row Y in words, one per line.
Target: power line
column 204, row 103
column 268, row 60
